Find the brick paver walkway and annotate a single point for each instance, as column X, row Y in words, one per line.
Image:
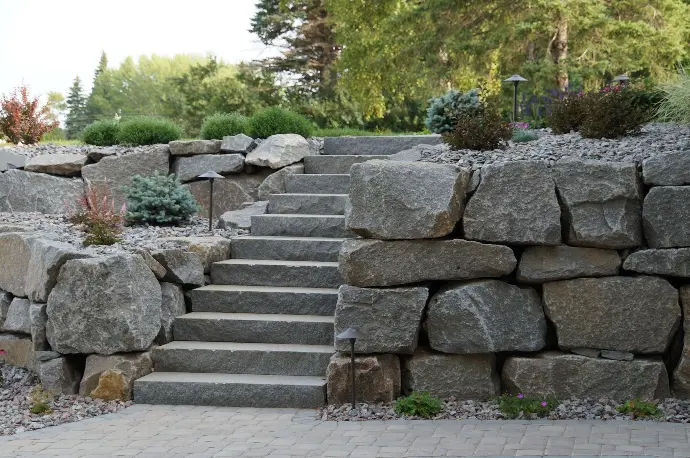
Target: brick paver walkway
column 164, row 431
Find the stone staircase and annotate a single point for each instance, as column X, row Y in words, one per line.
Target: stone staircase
column 261, row 335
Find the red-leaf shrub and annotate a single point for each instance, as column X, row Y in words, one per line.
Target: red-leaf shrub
column 96, row 214
column 22, row 119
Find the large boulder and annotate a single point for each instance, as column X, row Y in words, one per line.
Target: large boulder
column 210, row 249
column 405, row 200
column 602, row 203
column 15, row 254
column 280, row 150
column 681, row 374
column 485, row 316
column 155, row 266
column 173, row 305
column 18, row 319
column 189, row 168
column 131, row 366
column 38, row 319
column 386, row 263
column 56, row 164
column 194, row 147
column 59, row 376
column 228, row 194
column 47, row 256
column 19, row 351
column 668, row 169
column 564, row 376
column 515, row 203
column 670, row 262
column 181, row 266
column 540, row 264
column 115, row 172
column 665, row 216
column 22, row 191
column 635, row 314
column 242, row 217
column 472, row 377
column 276, row 183
column 389, row 318
column 9, row 159
column 377, row 378
column 236, row 144
column 104, row 305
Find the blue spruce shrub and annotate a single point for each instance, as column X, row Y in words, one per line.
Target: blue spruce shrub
column 159, row 200
column 443, row 111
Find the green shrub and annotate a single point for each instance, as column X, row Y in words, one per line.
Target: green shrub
column 41, row 408
column 611, row 113
column 675, row 101
column 96, row 213
column 219, row 125
column 159, row 200
column 640, row 409
column 520, row 405
column 567, row 113
column 272, row 121
column 418, row 405
column 102, row 133
column 524, row 136
column 485, row 130
column 444, row 111
column 145, row 130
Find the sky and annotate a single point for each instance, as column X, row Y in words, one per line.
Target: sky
column 46, row 43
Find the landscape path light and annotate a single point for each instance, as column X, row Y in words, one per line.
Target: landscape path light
column 515, row 79
column 622, row 79
column 210, row 176
column 352, row 335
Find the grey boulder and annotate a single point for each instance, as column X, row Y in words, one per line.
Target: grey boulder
column 38, row 319
column 236, row 144
column 19, row 351
column 681, row 374
column 189, row 168
column 387, row 263
column 377, row 378
column 665, row 215
column 59, row 376
column 155, row 266
column 18, row 318
column 131, row 365
column 242, row 218
column 668, row 169
column 669, row 262
column 194, row 147
column 280, row 150
column 405, row 200
column 634, row 314
column 104, row 305
column 276, row 183
column 15, row 252
column 564, row 376
column 210, row 249
column 56, row 164
column 540, row 264
column 22, row 191
column 173, row 305
column 181, row 266
column 389, row 318
column 229, row 193
column 602, row 203
column 485, row 316
column 47, row 256
column 5, row 301
column 515, row 203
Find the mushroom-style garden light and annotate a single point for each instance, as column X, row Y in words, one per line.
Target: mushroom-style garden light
column 352, row 335
column 515, row 79
column 622, row 79
column 210, row 176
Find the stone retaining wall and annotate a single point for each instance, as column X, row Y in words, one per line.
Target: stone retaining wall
column 571, row 280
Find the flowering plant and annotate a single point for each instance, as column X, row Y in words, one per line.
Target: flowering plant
column 96, row 214
column 522, row 406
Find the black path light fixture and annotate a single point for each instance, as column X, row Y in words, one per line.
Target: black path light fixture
column 210, row 176
column 622, row 79
column 352, row 335
column 515, row 79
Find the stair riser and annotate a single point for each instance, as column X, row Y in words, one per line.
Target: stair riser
column 376, row 145
column 240, row 362
column 334, row 164
column 318, row 184
column 247, row 331
column 267, row 275
column 307, row 204
column 256, row 302
column 229, row 395
column 287, row 250
column 299, row 227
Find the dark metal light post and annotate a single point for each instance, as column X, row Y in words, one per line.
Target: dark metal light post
column 622, row 79
column 515, row 79
column 352, row 335
column 210, row 176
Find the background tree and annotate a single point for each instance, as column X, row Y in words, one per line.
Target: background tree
column 76, row 119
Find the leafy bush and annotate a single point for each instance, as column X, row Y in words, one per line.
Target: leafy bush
column 145, row 130
column 102, row 133
column 675, row 101
column 272, row 121
column 485, row 130
column 159, row 200
column 41, row 408
column 40, row 399
column 418, row 405
column 219, row 125
column 445, row 111
column 567, row 113
column 521, row 405
column 22, row 119
column 96, row 213
column 640, row 409
column 611, row 113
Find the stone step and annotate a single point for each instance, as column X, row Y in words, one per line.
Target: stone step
column 264, row 299
column 242, row 358
column 254, row 328
column 300, row 225
column 286, row 248
column 307, row 204
column 318, row 184
column 376, row 145
column 335, row 164
column 230, row 390
column 268, row 272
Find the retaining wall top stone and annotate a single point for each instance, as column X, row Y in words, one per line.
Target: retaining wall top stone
column 376, row 145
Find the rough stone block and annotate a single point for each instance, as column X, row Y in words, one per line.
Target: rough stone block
column 38, row 318
column 377, row 378
column 228, row 194
column 18, row 319
column 22, row 191
column 59, row 376
column 130, row 366
column 668, row 169
column 181, row 267
column 276, row 183
column 665, row 215
column 236, row 144
column 189, row 168
column 5, row 301
column 194, row 147
column 173, row 305
column 670, row 262
column 242, row 218
column 56, row 164
column 19, row 351
column 280, row 150
column 47, row 256
column 540, row 264
column 681, row 374
column 210, row 249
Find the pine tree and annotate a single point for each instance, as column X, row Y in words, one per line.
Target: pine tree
column 76, row 119
column 102, row 67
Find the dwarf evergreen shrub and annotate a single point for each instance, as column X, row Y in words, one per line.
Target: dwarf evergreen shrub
column 159, row 200
column 219, row 125
column 146, row 130
column 444, row 111
column 102, row 133
column 418, row 405
column 273, row 121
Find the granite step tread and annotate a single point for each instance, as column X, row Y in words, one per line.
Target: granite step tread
column 336, row 164
column 300, row 225
column 329, row 183
column 287, row 248
column 308, row 204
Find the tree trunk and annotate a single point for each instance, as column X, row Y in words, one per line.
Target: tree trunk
column 558, row 48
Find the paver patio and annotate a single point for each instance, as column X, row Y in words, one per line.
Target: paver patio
column 186, row 431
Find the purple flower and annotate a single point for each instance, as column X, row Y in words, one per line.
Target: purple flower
column 520, row 396
column 544, row 403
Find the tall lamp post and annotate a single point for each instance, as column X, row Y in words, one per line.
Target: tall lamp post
column 210, row 176
column 352, row 335
column 515, row 79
